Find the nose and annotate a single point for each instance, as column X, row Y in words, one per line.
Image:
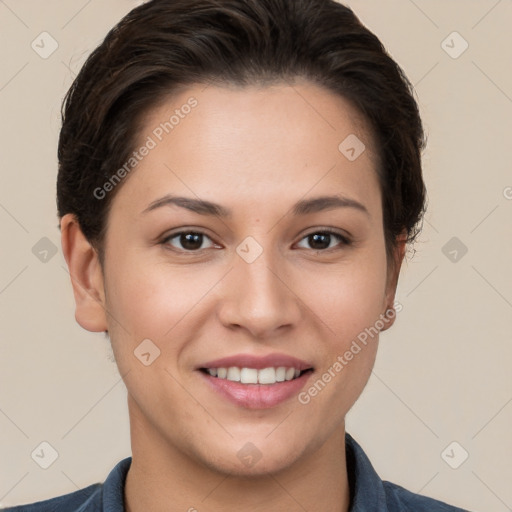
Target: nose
column 259, row 297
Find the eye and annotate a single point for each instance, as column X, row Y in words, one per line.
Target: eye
column 190, row 241
column 321, row 240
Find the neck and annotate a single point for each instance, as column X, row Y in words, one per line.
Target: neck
column 163, row 478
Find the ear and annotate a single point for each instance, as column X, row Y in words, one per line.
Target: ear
column 86, row 276
column 392, row 278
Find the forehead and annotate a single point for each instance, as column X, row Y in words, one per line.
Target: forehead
column 242, row 143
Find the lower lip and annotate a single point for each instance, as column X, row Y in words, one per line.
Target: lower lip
column 257, row 396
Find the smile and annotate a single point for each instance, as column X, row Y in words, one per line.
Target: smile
column 255, row 381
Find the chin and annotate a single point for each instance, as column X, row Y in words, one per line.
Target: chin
column 251, row 459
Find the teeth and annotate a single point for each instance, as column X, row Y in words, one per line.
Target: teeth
column 267, row 376
column 248, row 376
column 233, row 374
column 253, row 376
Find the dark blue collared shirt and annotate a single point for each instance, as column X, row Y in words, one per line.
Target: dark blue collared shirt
column 368, row 492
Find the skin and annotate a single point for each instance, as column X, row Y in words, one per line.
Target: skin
column 256, row 151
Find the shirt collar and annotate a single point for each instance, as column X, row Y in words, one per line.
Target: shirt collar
column 113, row 487
column 366, row 488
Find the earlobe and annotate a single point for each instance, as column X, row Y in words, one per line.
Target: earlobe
column 86, row 276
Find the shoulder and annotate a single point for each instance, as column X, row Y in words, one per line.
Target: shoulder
column 401, row 499
column 86, row 499
column 370, row 492
column 98, row 497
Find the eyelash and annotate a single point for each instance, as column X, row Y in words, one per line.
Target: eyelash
column 344, row 241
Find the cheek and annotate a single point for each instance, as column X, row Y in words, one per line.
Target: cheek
column 150, row 299
column 349, row 303
column 349, row 298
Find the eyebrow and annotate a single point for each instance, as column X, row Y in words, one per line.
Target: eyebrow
column 302, row 207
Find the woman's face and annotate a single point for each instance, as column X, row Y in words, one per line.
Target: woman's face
column 256, row 283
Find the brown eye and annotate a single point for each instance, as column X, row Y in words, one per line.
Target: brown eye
column 323, row 240
column 187, row 241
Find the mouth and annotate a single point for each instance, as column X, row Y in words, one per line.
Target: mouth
column 255, row 382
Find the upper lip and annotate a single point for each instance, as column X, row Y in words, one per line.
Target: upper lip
column 258, row 362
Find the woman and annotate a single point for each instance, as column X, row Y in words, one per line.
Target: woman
column 238, row 184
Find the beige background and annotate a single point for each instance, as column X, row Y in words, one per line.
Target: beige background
column 443, row 371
